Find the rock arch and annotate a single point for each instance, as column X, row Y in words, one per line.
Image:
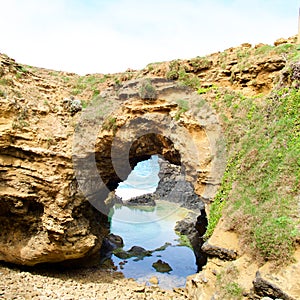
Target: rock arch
column 131, row 127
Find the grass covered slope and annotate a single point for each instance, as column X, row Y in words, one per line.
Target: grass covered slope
column 259, row 196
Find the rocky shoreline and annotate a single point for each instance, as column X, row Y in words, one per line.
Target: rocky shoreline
column 83, row 283
column 172, row 187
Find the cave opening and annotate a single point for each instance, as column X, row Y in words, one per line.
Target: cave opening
column 153, row 230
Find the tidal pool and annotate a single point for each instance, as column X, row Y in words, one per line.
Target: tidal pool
column 151, row 228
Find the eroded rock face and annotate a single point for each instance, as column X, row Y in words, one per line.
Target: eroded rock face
column 147, row 127
column 45, row 216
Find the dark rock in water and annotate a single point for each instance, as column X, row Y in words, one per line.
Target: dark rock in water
column 174, row 188
column 139, row 251
column 161, row 266
column 134, row 251
column 110, row 243
column 115, row 240
column 120, row 253
column 194, row 231
column 147, row 200
column 163, row 247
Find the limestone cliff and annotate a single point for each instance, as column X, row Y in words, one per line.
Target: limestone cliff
column 67, row 140
column 43, row 216
column 45, row 154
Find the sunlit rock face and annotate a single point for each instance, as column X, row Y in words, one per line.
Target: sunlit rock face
column 45, row 215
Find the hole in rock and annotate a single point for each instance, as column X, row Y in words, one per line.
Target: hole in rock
column 144, row 243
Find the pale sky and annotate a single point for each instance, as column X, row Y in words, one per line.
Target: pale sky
column 108, row 36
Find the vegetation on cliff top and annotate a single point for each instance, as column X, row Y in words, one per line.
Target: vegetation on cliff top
column 259, row 195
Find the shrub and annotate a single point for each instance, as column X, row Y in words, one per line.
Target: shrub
column 227, row 286
column 110, row 124
column 183, row 107
column 2, row 94
column 147, row 91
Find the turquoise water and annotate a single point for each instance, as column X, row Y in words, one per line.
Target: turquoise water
column 151, row 229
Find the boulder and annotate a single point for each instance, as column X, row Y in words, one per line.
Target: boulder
column 161, row 266
column 154, row 280
column 144, row 200
column 281, row 283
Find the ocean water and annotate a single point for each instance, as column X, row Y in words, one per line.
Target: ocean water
column 142, row 180
column 150, row 228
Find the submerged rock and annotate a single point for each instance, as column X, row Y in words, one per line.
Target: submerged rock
column 135, row 251
column 162, row 267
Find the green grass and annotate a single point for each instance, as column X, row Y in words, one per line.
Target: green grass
column 261, row 182
column 178, row 72
column 201, row 91
column 184, row 241
column 263, row 50
column 227, row 286
column 221, row 199
column 96, row 92
column 87, row 83
column 284, row 48
column 66, row 79
column 200, row 63
column 110, row 124
column 188, row 79
column 6, row 82
column 84, row 104
column 76, row 91
column 242, row 54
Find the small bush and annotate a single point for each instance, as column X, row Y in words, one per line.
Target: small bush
column 200, row 63
column 227, row 286
column 2, row 94
column 174, row 68
column 172, row 75
column 147, row 91
column 110, row 124
column 183, row 107
column 188, row 79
